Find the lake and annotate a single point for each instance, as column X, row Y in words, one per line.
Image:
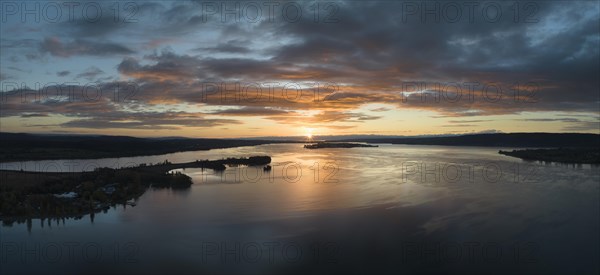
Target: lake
column 389, row 209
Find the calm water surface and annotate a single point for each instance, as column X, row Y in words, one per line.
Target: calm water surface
column 388, row 209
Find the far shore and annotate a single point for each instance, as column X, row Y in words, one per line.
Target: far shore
column 16, row 147
column 562, row 155
column 321, row 145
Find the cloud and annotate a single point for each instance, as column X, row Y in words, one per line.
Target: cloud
column 468, row 121
column 151, row 120
column 4, row 76
column 90, row 73
column 231, row 46
column 571, row 123
column 85, row 27
column 19, row 69
column 593, row 126
column 367, row 57
column 250, row 111
column 459, row 125
column 55, row 47
column 551, row 119
column 323, row 119
column 62, row 73
column 381, row 109
column 27, row 115
column 167, row 66
column 17, row 43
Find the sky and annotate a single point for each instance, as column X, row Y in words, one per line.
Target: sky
column 284, row 68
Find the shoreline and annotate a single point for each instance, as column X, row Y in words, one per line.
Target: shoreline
column 559, row 155
column 48, row 195
column 18, row 147
column 323, row 145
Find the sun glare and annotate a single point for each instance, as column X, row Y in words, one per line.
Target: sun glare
column 308, row 133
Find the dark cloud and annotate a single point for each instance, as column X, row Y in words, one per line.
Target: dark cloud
column 4, row 76
column 250, row 111
column 572, row 123
column 369, row 54
column 168, row 66
column 90, row 73
column 148, row 120
column 374, row 53
column 593, row 126
column 11, row 43
column 467, row 121
column 56, row 47
column 551, row 119
column 459, row 125
column 232, row 46
column 102, row 26
column 381, row 109
column 325, row 118
column 27, row 115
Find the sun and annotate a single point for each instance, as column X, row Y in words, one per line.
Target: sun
column 308, row 133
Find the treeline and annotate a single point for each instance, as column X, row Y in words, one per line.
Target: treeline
column 21, row 147
column 564, row 155
column 84, row 193
column 499, row 140
column 320, row 145
column 27, row 195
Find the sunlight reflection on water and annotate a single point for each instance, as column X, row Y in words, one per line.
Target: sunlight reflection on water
column 393, row 192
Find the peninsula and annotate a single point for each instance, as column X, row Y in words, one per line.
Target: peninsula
column 27, row 195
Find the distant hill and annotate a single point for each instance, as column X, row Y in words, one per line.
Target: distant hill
column 498, row 140
column 21, row 147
